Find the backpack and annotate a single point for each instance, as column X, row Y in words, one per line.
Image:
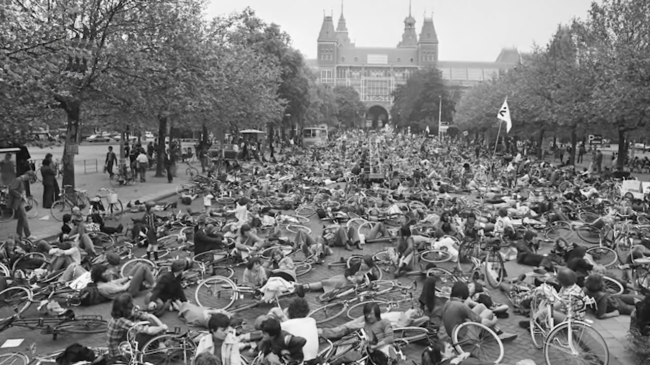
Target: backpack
column 322, row 214
column 90, row 296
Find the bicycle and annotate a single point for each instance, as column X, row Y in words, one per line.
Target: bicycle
column 113, row 205
column 492, row 263
column 68, row 201
column 69, row 323
column 7, row 213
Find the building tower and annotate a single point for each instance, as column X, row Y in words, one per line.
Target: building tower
column 409, row 38
column 327, row 43
column 428, row 43
column 342, row 31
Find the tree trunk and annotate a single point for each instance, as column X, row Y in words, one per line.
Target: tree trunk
column 72, row 109
column 160, row 158
column 540, row 145
column 204, row 131
column 622, row 143
column 574, row 143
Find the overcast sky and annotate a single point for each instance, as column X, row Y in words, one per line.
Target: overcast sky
column 468, row 30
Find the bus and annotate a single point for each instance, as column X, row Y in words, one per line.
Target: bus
column 314, row 136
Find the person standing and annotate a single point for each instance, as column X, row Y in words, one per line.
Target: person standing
column 111, row 159
column 49, row 181
column 142, row 161
column 599, row 161
column 168, row 166
column 581, row 152
column 16, row 201
column 7, row 170
column 55, row 168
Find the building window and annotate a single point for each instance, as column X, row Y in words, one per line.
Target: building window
column 411, row 60
column 399, row 59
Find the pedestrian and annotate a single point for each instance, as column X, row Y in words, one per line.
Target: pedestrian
column 111, row 159
column 168, row 166
column 7, row 170
column 581, row 153
column 143, row 163
column 49, row 180
column 149, row 221
column 55, row 168
column 561, row 151
column 599, row 161
column 22, row 166
column 16, row 201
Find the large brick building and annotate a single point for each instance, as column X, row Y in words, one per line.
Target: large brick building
column 375, row 72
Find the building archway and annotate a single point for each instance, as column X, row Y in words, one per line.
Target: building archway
column 378, row 115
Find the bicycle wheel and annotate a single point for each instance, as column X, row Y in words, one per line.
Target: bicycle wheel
column 302, row 268
column 168, row 349
column 217, row 292
column 445, row 279
column 410, row 334
column 466, row 252
column 30, row 261
column 559, row 229
column 588, row 234
column 327, row 312
column 173, row 241
column 295, row 228
column 583, row 343
column 14, row 358
column 587, row 217
column 603, row 255
column 210, row 257
column 114, row 209
column 33, row 207
column 435, row 256
column 191, row 171
column 478, row 340
column 82, row 326
column 612, row 286
column 128, row 266
column 6, row 213
column 305, row 211
column 13, row 301
column 356, row 310
column 59, row 208
column 494, row 269
column 101, row 239
column 540, row 327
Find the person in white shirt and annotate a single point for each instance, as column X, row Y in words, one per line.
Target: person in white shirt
column 143, row 163
column 294, row 320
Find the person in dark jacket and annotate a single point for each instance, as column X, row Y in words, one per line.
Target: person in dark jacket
column 206, row 240
column 57, row 190
column 278, row 344
column 168, row 288
column 168, row 166
column 49, row 181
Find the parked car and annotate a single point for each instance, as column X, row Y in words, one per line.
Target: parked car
column 96, row 139
column 118, row 137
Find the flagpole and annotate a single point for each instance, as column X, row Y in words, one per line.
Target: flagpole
column 440, row 118
column 498, row 134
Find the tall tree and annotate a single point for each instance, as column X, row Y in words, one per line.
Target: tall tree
column 349, row 105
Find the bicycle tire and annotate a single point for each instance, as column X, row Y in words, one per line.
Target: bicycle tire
column 115, row 208
column 446, row 277
column 170, row 241
column 30, row 255
column 328, row 312
column 556, row 228
column 587, row 217
column 563, row 327
column 16, row 300
column 365, row 228
column 6, row 213
column 479, row 332
column 613, row 286
column 129, row 265
column 33, row 211
column 82, row 326
column 191, row 171
column 356, row 310
column 494, row 276
column 163, row 349
column 588, row 234
column 467, row 251
column 225, row 271
column 216, row 288
column 305, row 211
column 295, row 228
column 539, row 329
column 211, row 257
column 603, row 255
column 302, row 268
column 59, row 208
column 14, row 358
column 435, row 256
column 101, row 239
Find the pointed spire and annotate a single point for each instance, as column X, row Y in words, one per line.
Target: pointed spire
column 327, row 33
column 428, row 33
column 409, row 8
column 409, row 37
column 342, row 26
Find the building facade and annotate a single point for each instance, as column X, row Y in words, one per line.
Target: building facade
column 375, row 72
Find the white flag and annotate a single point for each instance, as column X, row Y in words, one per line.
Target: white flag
column 504, row 115
column 427, row 129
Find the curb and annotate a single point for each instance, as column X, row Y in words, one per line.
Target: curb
column 161, row 197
